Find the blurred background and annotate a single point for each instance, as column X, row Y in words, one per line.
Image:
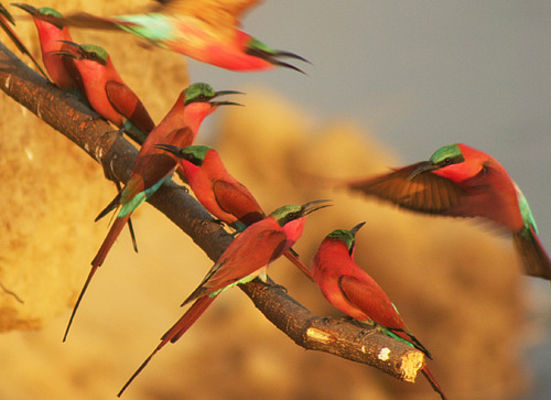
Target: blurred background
column 390, row 83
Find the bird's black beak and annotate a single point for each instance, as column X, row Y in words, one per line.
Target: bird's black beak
column 26, row 7
column 311, row 206
column 77, row 54
column 225, row 103
column 67, row 54
column 422, row 168
column 357, row 228
column 169, row 149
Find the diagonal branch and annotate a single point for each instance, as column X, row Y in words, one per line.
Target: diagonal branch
column 342, row 337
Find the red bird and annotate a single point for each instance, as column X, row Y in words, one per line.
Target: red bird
column 242, row 261
column 219, row 192
column 154, row 166
column 351, row 290
column 460, row 181
column 107, row 93
column 62, row 70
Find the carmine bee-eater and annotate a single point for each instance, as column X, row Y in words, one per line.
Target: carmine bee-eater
column 106, row 92
column 154, row 166
column 62, row 70
column 206, row 30
column 5, row 20
column 351, row 290
column 460, row 181
column 242, row 261
column 220, row 193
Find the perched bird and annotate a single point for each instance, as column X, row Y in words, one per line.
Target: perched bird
column 107, row 93
column 242, row 261
column 351, row 290
column 220, row 193
column 61, row 70
column 460, row 181
column 154, row 166
column 206, row 30
column 5, row 20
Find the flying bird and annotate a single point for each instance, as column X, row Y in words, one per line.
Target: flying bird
column 206, row 30
column 351, row 290
column 243, row 260
column 154, row 166
column 461, row 181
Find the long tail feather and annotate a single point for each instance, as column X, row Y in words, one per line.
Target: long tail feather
column 98, row 260
column 80, row 296
column 109, row 240
column 174, row 333
column 110, row 207
column 132, row 235
column 432, row 380
column 534, row 257
column 5, row 19
column 295, row 260
column 188, row 319
column 411, row 340
column 114, row 204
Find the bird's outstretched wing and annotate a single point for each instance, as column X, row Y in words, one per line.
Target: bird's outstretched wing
column 215, row 12
column 426, row 192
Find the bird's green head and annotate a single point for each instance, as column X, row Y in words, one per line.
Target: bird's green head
column 444, row 156
column 86, row 51
column 348, row 237
column 94, row 52
column 204, row 93
column 43, row 13
column 193, row 154
column 287, row 213
column 49, row 12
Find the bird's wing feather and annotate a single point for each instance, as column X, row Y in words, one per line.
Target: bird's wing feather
column 426, row 192
column 490, row 194
column 535, row 259
column 125, row 102
column 153, row 168
column 239, row 260
column 371, row 300
column 234, row 198
column 215, row 12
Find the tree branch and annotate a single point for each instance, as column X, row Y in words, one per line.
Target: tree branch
column 341, row 337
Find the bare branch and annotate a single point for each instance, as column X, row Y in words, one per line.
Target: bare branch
column 341, row 337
